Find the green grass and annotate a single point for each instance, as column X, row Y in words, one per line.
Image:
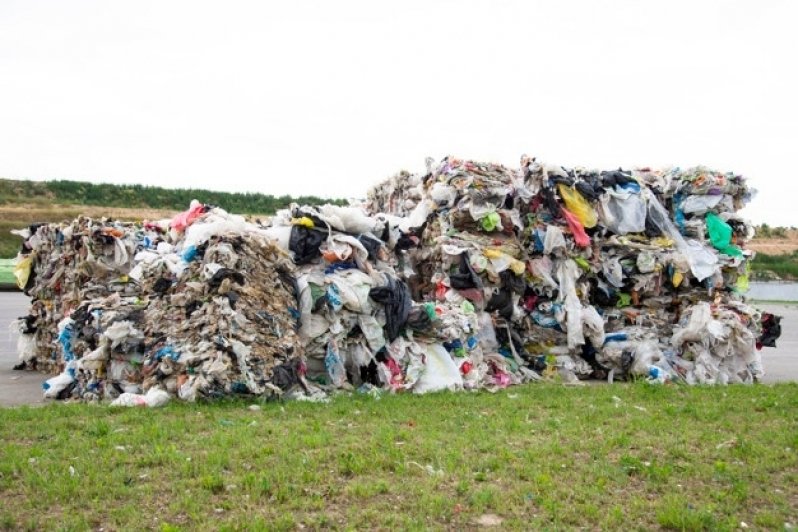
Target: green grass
column 7, row 271
column 544, row 456
column 784, row 266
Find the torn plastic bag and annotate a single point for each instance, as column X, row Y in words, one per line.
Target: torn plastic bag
column 646, row 354
column 699, row 204
column 306, row 243
column 623, row 211
column 54, row 386
column 154, row 398
column 592, row 325
column 216, row 225
column 695, row 329
column 184, row 219
column 720, row 235
column 22, row 270
column 646, row 262
column 613, row 271
column 349, row 219
column 542, row 268
column 577, row 231
column 703, row 262
column 554, row 240
column 440, row 371
column 576, row 204
column 771, row 330
column 465, row 277
column 567, row 274
column 372, row 331
column 395, row 296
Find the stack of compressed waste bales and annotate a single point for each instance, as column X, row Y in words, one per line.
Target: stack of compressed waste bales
column 468, row 276
column 359, row 324
column 596, row 274
column 198, row 307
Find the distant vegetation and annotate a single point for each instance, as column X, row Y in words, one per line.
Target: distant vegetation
column 783, row 266
column 765, row 231
column 140, row 196
column 25, row 202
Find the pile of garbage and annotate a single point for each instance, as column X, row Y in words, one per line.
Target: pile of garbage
column 611, row 274
column 469, row 276
column 195, row 309
column 359, row 324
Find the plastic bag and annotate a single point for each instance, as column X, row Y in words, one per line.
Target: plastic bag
column 703, row 262
column 646, row 262
column 720, row 235
column 22, row 270
column 696, row 328
column 567, row 274
column 186, row 218
column 55, row 385
column 647, row 353
column 593, row 326
column 334, row 364
column 491, row 222
column 154, row 398
column 554, row 240
column 613, row 271
column 699, row 204
column 578, row 205
column 623, row 212
column 580, row 237
column 440, row 371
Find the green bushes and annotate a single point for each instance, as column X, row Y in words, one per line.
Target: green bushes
column 785, row 266
column 140, row 196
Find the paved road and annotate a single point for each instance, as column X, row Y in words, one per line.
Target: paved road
column 23, row 387
column 16, row 387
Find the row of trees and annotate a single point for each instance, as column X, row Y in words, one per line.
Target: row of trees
column 765, row 231
column 141, row 196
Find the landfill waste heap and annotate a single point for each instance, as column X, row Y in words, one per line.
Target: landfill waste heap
column 470, row 276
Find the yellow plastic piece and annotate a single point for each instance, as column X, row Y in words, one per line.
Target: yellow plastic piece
column 578, row 205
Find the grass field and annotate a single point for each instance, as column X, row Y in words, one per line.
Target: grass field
column 7, row 271
column 544, row 456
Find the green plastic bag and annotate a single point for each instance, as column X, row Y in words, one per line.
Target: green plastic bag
column 491, row 222
column 720, row 235
column 578, row 206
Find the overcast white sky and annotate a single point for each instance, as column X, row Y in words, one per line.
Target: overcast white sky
column 329, row 97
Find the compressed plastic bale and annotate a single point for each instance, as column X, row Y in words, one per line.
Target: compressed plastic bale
column 578, row 206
